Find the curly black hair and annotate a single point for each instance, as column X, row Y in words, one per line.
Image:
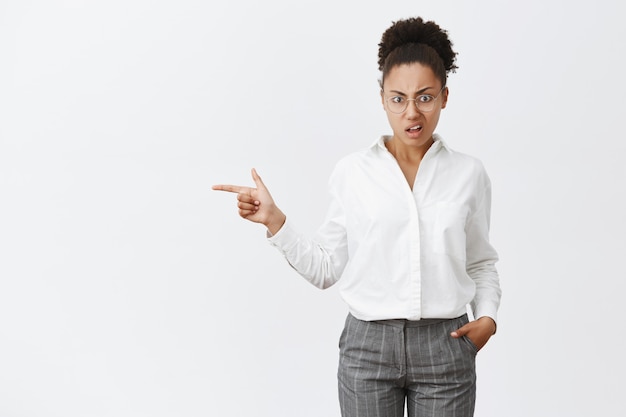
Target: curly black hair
column 415, row 40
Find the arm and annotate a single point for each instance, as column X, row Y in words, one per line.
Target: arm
column 320, row 260
column 481, row 259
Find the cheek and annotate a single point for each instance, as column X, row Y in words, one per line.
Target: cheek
column 434, row 118
column 389, row 116
column 393, row 120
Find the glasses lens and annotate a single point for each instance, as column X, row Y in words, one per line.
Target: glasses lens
column 396, row 104
column 425, row 105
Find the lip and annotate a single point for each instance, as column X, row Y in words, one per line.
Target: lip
column 414, row 133
column 414, row 125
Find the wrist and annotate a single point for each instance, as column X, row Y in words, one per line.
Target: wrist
column 276, row 222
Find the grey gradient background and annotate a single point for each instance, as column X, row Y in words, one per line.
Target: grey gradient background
column 129, row 288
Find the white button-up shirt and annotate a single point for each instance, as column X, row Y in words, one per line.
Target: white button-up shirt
column 402, row 253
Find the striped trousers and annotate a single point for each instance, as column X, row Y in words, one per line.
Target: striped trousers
column 383, row 364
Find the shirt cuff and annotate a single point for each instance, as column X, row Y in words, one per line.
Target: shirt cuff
column 284, row 238
column 491, row 312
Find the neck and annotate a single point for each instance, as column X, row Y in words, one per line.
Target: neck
column 408, row 153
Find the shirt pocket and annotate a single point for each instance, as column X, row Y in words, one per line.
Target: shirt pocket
column 449, row 230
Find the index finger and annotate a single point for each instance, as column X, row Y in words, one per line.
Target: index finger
column 229, row 188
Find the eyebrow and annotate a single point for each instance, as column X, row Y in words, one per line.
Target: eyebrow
column 418, row 93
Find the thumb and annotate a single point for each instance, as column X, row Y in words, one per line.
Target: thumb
column 459, row 332
column 257, row 180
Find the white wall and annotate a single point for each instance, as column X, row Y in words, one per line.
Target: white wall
column 129, row 288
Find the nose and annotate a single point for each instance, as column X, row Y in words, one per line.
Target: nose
column 411, row 109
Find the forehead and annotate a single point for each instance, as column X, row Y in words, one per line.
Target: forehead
column 410, row 78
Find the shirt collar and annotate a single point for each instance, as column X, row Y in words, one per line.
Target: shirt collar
column 439, row 142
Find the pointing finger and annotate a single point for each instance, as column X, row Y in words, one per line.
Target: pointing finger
column 228, row 188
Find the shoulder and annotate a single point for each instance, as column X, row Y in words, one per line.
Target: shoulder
column 359, row 167
column 461, row 159
column 467, row 161
column 464, row 165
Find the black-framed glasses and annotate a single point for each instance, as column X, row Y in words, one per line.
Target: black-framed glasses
column 424, row 102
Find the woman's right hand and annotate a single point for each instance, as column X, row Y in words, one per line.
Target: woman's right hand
column 256, row 204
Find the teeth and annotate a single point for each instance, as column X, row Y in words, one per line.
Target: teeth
column 415, row 127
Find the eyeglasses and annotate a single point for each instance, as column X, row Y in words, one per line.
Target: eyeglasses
column 424, row 102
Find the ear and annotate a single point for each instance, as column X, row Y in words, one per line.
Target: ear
column 444, row 99
column 382, row 98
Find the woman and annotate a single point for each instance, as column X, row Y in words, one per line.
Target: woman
column 406, row 239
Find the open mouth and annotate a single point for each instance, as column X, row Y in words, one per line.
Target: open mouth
column 414, row 129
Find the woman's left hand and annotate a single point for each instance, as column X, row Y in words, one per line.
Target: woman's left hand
column 478, row 331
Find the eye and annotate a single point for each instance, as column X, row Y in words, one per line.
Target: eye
column 396, row 100
column 425, row 98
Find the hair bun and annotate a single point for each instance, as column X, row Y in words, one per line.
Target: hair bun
column 416, row 30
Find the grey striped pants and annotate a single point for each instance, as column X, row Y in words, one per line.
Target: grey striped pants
column 383, row 363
